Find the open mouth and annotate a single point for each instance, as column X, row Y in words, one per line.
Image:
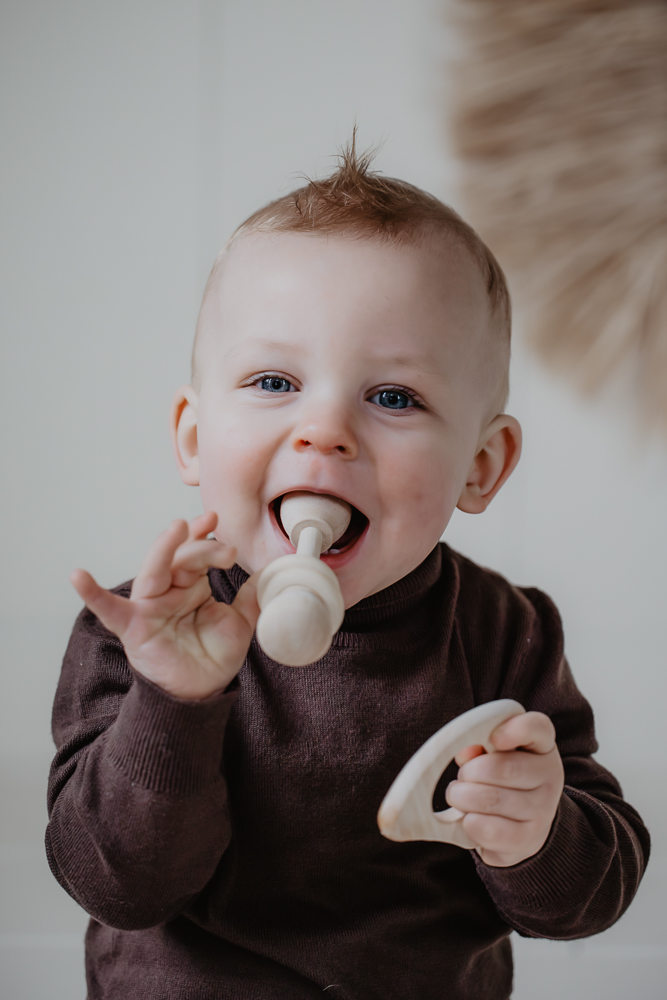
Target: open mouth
column 354, row 531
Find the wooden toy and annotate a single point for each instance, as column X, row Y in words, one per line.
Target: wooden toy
column 299, row 596
column 407, row 812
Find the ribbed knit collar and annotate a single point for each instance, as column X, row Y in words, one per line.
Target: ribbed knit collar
column 394, row 600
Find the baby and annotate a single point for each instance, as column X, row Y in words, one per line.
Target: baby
column 214, row 811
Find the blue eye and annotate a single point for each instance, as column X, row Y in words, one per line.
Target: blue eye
column 392, row 399
column 273, row 383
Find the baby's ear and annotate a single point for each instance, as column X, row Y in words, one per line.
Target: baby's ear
column 497, row 454
column 183, row 427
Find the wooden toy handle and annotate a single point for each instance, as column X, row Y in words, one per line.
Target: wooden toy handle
column 299, row 596
column 407, row 812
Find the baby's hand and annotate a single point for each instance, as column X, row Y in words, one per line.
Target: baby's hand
column 173, row 631
column 510, row 798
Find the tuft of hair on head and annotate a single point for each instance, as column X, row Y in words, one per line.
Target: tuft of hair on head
column 357, row 202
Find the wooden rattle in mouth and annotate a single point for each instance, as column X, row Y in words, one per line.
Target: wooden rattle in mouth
column 301, row 604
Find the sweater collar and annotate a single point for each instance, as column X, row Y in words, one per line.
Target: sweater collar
column 395, row 600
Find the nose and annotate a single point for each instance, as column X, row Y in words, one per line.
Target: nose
column 327, row 431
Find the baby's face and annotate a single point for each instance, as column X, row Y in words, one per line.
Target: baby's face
column 346, row 367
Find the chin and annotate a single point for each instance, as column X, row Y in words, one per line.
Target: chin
column 357, row 584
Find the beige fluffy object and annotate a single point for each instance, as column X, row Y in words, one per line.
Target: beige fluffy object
column 560, row 123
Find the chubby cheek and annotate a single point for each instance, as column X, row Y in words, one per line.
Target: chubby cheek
column 418, row 488
column 419, row 497
column 232, row 470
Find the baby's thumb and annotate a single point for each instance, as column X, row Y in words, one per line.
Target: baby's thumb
column 245, row 601
column 463, row 756
column 112, row 610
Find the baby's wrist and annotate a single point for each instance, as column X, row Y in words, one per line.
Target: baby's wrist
column 188, row 689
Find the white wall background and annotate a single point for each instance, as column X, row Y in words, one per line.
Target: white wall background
column 137, row 134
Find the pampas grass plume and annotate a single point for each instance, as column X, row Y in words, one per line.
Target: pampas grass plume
column 560, row 122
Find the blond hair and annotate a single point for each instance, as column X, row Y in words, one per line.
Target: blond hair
column 356, row 201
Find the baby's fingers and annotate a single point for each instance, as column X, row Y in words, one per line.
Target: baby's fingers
column 498, row 835
column 469, row 753
column 245, row 601
column 113, row 611
column 194, row 558
column 201, row 526
column 532, row 731
column 513, row 769
column 492, row 800
column 155, row 578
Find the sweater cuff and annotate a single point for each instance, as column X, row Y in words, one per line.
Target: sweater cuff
column 557, row 872
column 168, row 745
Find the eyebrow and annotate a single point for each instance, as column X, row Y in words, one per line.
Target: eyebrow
column 404, row 361
column 427, row 366
column 263, row 345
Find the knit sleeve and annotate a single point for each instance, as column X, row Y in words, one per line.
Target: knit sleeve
column 138, row 817
column 589, row 869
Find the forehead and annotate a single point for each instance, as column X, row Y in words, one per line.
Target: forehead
column 411, row 301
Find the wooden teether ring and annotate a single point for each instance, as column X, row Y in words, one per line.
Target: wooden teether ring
column 407, row 812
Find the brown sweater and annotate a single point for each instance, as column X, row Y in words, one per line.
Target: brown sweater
column 229, row 848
